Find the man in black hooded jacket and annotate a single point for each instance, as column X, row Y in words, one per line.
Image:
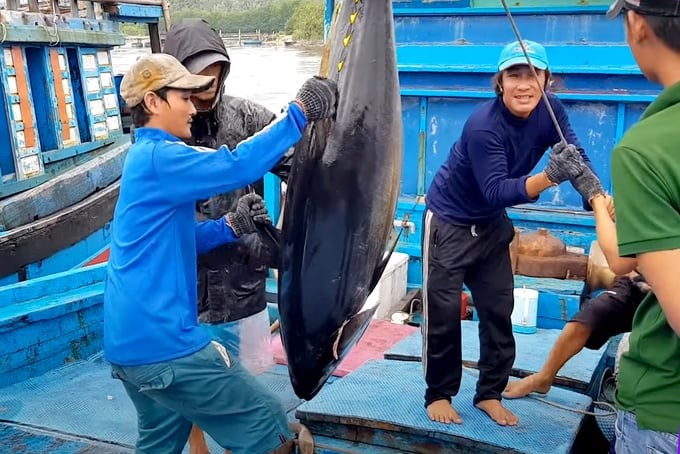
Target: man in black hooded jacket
column 231, row 278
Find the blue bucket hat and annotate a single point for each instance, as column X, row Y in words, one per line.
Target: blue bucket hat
column 512, row 55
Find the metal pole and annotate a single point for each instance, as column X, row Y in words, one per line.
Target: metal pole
column 166, row 14
column 328, row 18
column 533, row 71
column 154, row 38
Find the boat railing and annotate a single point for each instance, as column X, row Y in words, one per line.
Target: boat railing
column 90, row 9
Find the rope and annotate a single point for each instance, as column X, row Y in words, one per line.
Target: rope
column 475, row 373
column 576, row 410
column 56, row 37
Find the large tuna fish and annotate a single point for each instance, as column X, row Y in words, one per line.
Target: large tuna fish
column 341, row 199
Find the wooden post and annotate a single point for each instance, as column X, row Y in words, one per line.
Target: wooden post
column 166, row 14
column 74, row 8
column 154, row 38
column 89, row 10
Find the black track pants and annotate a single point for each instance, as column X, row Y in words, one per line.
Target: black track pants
column 477, row 256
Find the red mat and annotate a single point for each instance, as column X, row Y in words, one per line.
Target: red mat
column 380, row 336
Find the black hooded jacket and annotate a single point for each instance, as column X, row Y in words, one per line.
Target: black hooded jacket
column 231, row 278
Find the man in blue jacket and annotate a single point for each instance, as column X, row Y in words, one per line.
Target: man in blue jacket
column 172, row 371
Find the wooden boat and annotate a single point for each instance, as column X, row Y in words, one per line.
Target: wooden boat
column 62, row 130
column 56, row 394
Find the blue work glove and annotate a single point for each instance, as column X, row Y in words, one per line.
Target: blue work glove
column 565, row 163
column 249, row 210
column 318, row 97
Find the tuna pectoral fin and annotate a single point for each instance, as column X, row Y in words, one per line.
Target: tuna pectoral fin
column 377, row 273
column 352, row 330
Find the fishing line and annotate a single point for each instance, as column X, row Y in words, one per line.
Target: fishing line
column 533, row 71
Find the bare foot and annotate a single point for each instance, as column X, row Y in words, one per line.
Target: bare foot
column 534, row 383
column 443, row 411
column 498, row 412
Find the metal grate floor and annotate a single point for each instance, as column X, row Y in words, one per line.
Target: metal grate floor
column 82, row 400
column 382, row 403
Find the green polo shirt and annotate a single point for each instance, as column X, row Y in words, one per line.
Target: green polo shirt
column 646, row 179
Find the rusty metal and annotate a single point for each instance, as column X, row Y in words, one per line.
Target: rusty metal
column 541, row 244
column 568, row 266
column 540, row 254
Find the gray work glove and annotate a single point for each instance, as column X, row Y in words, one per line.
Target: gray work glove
column 260, row 215
column 249, row 210
column 587, row 184
column 318, row 97
column 565, row 163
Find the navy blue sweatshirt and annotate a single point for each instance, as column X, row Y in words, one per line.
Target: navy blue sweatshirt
column 487, row 168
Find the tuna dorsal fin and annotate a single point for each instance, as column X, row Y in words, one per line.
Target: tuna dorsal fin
column 377, row 273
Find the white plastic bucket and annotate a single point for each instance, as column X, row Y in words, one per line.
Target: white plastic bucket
column 524, row 312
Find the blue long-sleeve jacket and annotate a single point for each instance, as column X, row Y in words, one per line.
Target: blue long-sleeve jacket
column 150, row 311
column 487, row 168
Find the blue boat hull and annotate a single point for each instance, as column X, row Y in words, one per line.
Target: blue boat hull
column 62, row 223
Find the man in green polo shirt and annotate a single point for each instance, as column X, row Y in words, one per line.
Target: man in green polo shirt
column 646, row 180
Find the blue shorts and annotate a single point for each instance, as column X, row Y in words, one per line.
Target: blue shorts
column 211, row 389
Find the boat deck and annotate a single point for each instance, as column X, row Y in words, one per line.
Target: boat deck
column 375, row 408
column 531, row 352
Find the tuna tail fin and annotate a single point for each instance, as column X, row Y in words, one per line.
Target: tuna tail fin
column 380, row 269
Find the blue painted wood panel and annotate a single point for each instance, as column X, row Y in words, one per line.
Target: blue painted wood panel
column 51, row 286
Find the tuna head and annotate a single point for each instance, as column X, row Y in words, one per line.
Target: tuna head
column 341, row 199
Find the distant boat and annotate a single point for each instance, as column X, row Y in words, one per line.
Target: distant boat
column 63, row 137
column 251, row 42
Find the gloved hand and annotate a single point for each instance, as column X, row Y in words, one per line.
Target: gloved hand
column 259, row 213
column 587, row 184
column 249, row 210
column 318, row 97
column 565, row 163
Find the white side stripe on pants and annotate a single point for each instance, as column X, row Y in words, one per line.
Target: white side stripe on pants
column 426, row 253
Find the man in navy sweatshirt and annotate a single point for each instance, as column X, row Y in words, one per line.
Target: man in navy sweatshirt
column 171, row 370
column 467, row 232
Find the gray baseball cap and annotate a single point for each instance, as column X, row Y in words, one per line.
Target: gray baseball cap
column 197, row 63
